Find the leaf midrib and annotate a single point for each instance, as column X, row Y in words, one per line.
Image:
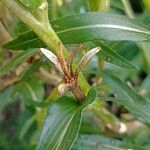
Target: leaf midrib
column 113, row 26
column 54, row 123
column 62, row 124
column 68, row 124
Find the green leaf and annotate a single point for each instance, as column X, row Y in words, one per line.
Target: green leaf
column 113, row 57
column 91, row 26
column 135, row 103
column 96, row 142
column 62, row 123
column 17, row 60
column 84, row 27
column 25, row 41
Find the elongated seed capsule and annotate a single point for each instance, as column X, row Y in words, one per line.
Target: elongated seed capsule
column 53, row 58
column 86, row 58
column 71, row 56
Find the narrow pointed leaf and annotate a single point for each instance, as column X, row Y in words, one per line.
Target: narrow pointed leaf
column 113, row 57
column 62, row 123
column 84, row 27
column 25, row 41
column 127, row 97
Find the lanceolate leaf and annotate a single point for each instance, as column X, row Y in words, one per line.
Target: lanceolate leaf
column 113, row 57
column 25, row 41
column 84, row 27
column 135, row 103
column 62, row 123
column 90, row 26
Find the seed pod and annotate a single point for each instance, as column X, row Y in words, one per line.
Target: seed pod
column 71, row 56
column 86, row 58
column 61, row 59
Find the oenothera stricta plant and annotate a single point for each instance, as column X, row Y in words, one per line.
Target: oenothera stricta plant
column 64, row 110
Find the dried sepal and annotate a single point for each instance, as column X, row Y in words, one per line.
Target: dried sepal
column 53, row 58
column 86, row 58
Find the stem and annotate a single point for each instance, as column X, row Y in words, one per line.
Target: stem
column 23, row 13
column 42, row 13
column 77, row 93
column 130, row 14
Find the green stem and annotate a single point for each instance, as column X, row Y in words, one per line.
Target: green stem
column 24, row 14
